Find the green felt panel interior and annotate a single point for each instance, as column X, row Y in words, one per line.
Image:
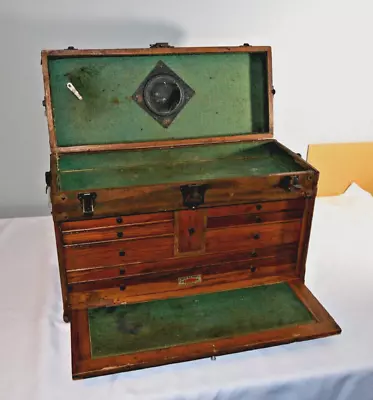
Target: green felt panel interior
column 161, row 166
column 166, row 323
column 231, row 97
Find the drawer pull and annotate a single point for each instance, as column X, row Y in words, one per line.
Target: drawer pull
column 254, row 253
column 122, row 287
column 257, row 236
column 252, row 268
column 119, row 234
column 122, row 253
column 258, row 206
column 258, row 219
column 122, row 271
column 119, row 220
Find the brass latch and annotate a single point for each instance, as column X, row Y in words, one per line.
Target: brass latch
column 87, row 201
column 193, row 195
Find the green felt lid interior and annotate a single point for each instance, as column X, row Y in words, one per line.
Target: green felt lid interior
column 230, row 97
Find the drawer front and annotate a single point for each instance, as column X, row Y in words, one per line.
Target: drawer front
column 257, row 208
column 161, row 285
column 288, row 252
column 118, row 252
column 115, row 233
column 247, row 219
column 116, row 221
column 252, row 237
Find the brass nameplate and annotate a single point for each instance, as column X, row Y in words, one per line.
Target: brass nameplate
column 190, row 280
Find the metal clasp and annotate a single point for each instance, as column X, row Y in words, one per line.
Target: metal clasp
column 290, row 183
column 87, row 201
column 160, row 45
column 193, row 195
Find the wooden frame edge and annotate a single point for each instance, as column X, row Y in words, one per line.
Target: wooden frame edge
column 85, row 367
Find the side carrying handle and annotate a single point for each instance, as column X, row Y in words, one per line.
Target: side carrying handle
column 87, row 202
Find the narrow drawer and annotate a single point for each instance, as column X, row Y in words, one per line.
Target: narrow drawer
column 257, row 208
column 246, row 219
column 245, row 237
column 118, row 252
column 115, row 221
column 286, row 253
column 115, row 233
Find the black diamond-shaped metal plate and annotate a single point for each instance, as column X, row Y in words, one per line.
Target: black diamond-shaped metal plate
column 163, row 94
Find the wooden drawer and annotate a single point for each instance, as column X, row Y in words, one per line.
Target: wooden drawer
column 246, row 219
column 106, row 291
column 252, row 237
column 125, row 231
column 257, row 208
column 288, row 252
column 118, row 252
column 115, row 221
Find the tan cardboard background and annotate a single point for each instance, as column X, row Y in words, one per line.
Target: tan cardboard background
column 340, row 164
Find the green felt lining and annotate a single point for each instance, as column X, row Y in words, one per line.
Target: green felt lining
column 147, row 167
column 231, row 97
column 159, row 324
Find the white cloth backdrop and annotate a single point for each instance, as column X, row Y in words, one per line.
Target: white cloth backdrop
column 35, row 342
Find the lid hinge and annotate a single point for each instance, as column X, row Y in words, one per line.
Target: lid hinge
column 160, row 45
column 87, row 201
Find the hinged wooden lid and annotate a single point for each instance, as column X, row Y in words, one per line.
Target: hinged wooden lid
column 162, row 96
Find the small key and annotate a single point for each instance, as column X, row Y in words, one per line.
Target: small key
column 72, row 89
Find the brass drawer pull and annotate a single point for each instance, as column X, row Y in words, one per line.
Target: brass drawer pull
column 122, row 253
column 119, row 234
column 257, row 236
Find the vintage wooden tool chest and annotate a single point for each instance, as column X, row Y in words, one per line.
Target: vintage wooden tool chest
column 181, row 225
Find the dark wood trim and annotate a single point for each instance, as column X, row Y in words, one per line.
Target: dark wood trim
column 270, row 87
column 162, row 144
column 324, row 325
column 48, row 101
column 153, row 51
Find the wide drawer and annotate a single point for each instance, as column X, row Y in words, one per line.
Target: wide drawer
column 112, row 290
column 118, row 252
column 115, row 233
column 288, row 252
column 253, row 237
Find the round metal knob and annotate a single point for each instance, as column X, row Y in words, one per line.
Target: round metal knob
column 120, row 234
column 119, row 220
column 252, row 268
column 258, row 219
column 257, row 236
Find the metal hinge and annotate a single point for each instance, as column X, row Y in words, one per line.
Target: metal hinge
column 87, row 201
column 273, row 90
column 71, row 48
column 160, row 45
column 246, row 44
